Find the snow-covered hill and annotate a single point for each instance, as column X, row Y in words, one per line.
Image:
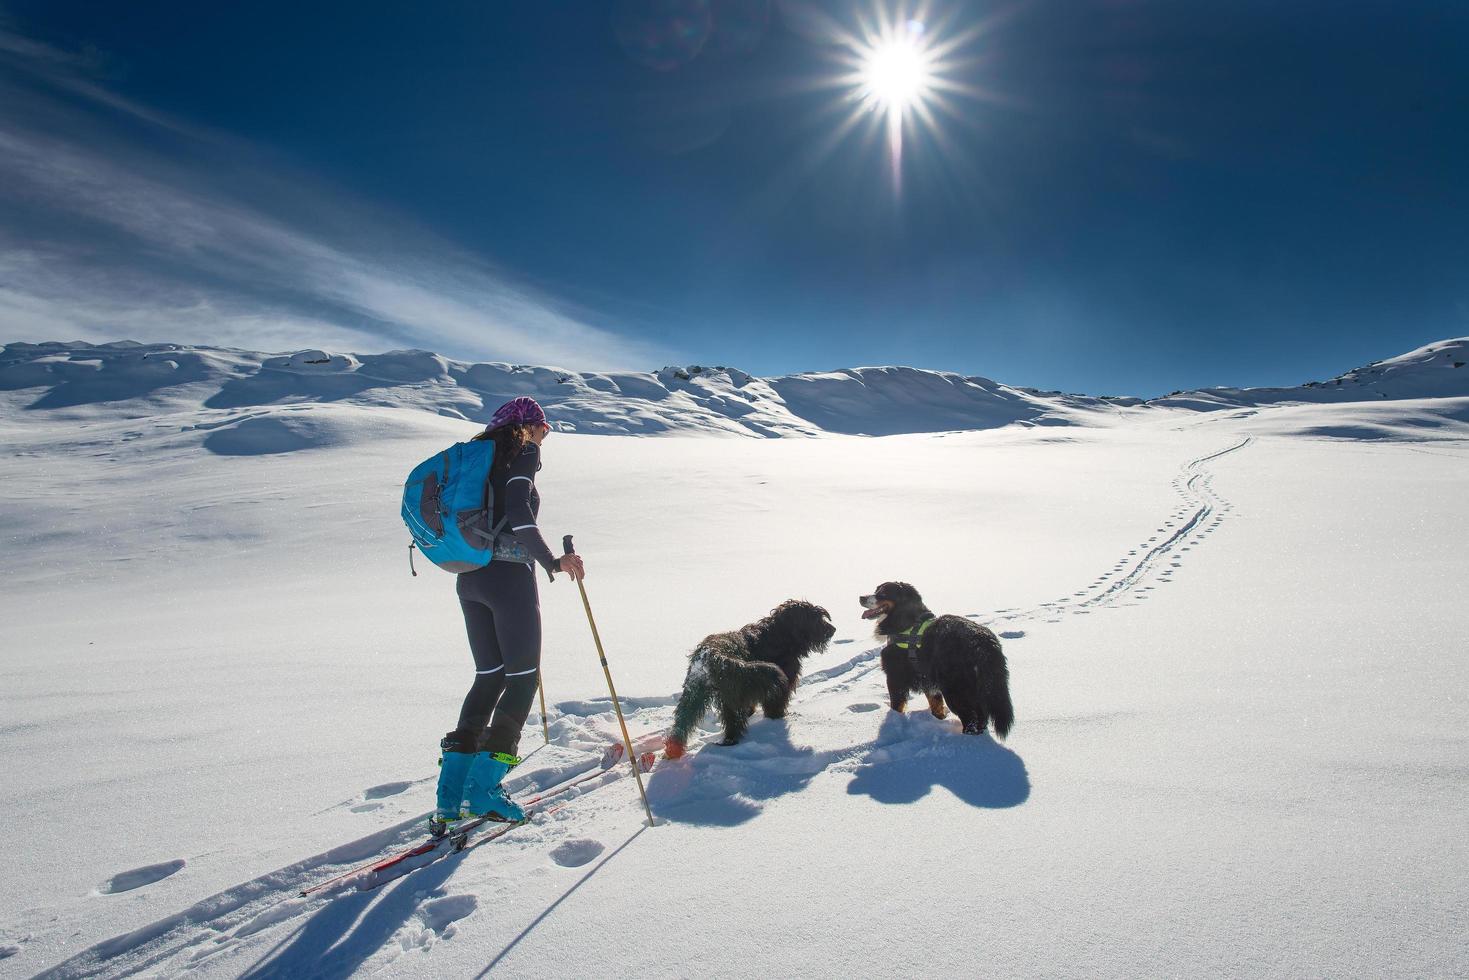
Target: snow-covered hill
column 1437, row 370
column 133, row 380
column 872, row 401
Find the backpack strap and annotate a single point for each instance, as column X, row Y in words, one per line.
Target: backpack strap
column 492, row 533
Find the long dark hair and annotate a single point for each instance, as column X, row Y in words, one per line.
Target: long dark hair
column 509, row 439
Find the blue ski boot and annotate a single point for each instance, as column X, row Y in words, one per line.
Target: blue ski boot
column 454, row 764
column 483, row 795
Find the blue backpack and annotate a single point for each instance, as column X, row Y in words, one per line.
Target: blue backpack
column 448, row 506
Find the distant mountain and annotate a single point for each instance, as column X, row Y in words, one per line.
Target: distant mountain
column 137, row 380
column 1437, row 370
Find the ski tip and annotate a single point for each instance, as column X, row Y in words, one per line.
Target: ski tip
column 647, row 760
column 612, row 755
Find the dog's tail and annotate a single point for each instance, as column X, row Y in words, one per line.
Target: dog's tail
column 714, row 675
column 996, row 692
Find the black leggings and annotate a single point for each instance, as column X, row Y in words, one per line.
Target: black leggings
column 502, row 613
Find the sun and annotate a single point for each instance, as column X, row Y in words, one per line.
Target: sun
column 904, row 71
column 896, row 73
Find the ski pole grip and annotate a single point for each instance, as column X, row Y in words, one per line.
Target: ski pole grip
column 566, row 547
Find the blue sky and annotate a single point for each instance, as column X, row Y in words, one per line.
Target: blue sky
column 1124, row 196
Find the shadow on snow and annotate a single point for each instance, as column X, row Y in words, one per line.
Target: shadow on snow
column 349, row 930
column 725, row 786
column 915, row 753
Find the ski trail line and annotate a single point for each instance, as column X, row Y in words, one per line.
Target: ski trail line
column 1203, row 512
column 1197, row 485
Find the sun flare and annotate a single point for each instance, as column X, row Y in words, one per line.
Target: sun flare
column 903, row 70
column 895, row 74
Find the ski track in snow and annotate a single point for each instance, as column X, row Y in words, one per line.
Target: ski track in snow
column 719, row 786
column 1141, row 570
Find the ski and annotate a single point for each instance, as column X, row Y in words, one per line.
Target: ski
column 463, row 838
column 457, row 839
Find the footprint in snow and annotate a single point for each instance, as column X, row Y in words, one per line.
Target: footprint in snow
column 366, row 807
column 862, row 706
column 1012, row 634
column 841, row 641
column 575, row 853
column 385, row 789
column 138, row 877
column 440, row 913
column 8, row 951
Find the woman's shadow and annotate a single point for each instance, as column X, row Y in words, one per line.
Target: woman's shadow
column 347, row 931
column 914, row 754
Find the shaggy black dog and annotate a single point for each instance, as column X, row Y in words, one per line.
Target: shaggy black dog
column 757, row 665
column 947, row 658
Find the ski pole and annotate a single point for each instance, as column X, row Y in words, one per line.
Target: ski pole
column 545, row 728
column 632, row 757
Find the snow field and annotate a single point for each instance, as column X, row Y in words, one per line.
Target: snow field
column 1248, row 757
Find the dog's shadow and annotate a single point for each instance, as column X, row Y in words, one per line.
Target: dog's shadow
column 728, row 785
column 914, row 753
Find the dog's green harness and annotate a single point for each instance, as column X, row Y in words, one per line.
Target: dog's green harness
column 910, row 639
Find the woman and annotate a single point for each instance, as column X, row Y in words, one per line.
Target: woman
column 502, row 613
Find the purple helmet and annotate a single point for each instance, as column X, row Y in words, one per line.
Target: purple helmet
column 518, row 411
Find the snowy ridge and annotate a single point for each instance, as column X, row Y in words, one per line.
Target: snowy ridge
column 147, row 379
column 1437, row 370
column 134, row 379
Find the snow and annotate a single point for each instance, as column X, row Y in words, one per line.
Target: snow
column 1234, row 622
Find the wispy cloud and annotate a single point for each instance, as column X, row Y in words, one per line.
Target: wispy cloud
column 117, row 221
